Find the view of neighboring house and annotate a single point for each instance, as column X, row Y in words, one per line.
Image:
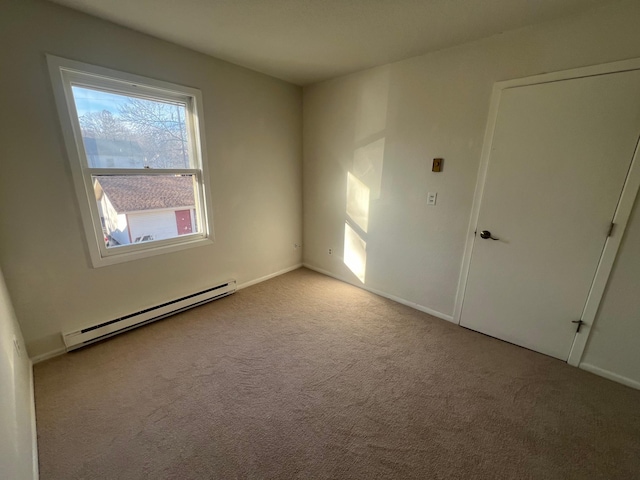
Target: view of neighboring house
column 112, row 153
column 143, row 208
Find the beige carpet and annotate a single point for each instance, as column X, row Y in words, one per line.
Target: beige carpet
column 305, row 377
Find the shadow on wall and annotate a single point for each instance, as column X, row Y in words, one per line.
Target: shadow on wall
column 363, row 181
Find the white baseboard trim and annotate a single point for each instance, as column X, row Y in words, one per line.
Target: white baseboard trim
column 610, row 375
column 46, row 356
column 413, row 305
column 34, row 432
column 270, row 276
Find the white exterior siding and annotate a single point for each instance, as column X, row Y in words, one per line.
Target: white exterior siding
column 116, row 224
column 160, row 224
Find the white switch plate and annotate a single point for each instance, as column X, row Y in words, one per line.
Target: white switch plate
column 431, row 198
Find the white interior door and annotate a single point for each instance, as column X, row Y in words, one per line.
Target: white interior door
column 559, row 158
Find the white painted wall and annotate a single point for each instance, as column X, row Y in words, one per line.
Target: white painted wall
column 385, row 125
column 17, row 420
column 253, row 140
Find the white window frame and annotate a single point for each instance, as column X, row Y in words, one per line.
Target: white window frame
column 67, row 73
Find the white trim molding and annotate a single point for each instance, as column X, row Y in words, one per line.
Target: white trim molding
column 415, row 306
column 610, row 375
column 623, row 211
column 46, row 356
column 270, row 276
column 34, row 431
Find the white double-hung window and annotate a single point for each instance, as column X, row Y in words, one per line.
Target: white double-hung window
column 137, row 158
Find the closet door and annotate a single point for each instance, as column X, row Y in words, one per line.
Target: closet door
column 560, row 155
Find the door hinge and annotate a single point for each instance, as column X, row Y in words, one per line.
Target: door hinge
column 613, row 225
column 579, row 322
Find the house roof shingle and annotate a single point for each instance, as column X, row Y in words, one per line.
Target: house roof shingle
column 139, row 192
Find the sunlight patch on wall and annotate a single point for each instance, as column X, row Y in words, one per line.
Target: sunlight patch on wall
column 355, row 252
column 358, row 201
column 364, row 179
column 367, row 165
column 363, row 185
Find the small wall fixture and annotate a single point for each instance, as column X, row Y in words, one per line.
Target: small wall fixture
column 437, row 165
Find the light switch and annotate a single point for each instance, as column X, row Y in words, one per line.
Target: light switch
column 431, row 198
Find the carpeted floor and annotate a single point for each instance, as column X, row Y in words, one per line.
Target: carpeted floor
column 305, row 377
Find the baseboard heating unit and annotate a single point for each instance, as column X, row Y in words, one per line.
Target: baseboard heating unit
column 95, row 333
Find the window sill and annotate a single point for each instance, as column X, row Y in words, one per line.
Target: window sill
column 100, row 261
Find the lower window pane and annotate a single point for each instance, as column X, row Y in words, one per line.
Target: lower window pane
column 146, row 208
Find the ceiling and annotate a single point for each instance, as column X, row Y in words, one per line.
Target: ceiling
column 306, row 41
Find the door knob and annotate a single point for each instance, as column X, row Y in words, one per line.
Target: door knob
column 487, row 234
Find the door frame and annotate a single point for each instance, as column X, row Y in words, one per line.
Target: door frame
column 621, row 216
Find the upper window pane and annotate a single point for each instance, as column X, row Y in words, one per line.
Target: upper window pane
column 122, row 131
